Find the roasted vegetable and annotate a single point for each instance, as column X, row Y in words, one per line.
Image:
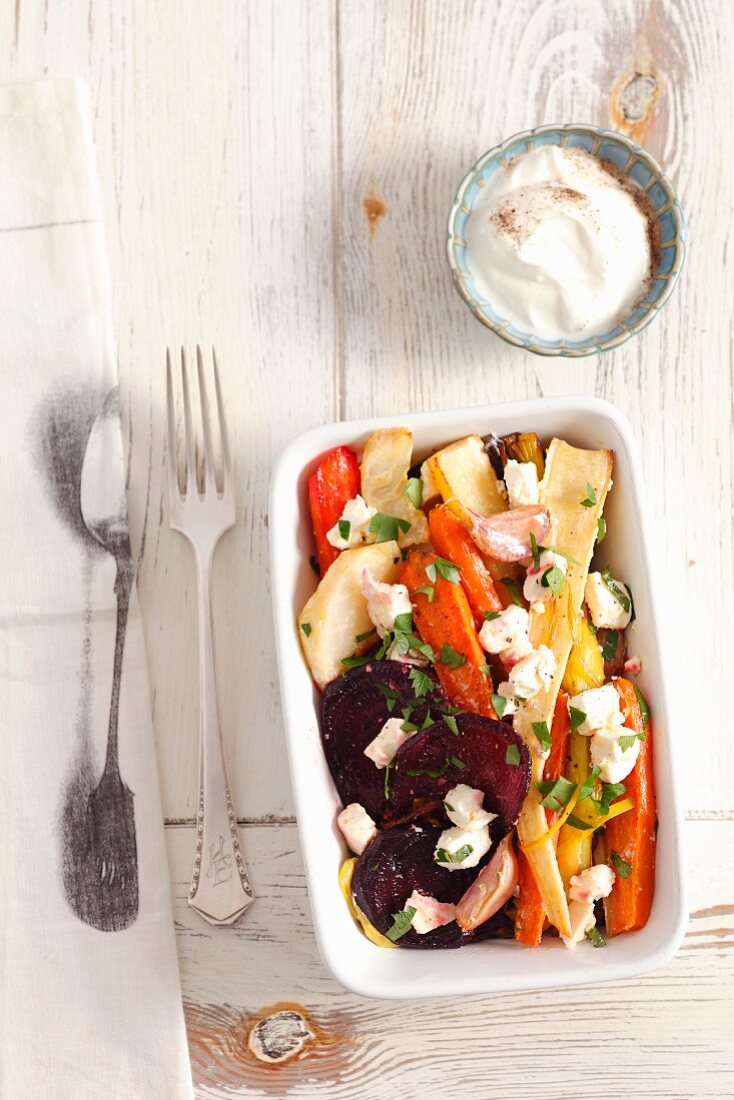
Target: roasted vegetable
column 585, row 668
column 631, row 836
column 507, row 536
column 336, row 615
column 492, row 888
column 386, row 460
column 613, row 644
column 453, row 542
column 525, row 447
column 496, row 453
column 444, row 620
column 465, row 478
column 569, row 474
column 433, row 761
column 355, row 707
column 346, row 874
column 334, row 482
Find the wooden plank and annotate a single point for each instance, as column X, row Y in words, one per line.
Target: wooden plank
column 426, row 88
column 669, row 1032
column 214, row 136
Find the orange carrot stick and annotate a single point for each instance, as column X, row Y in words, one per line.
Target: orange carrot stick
column 446, row 624
column 453, row 541
column 632, row 835
column 530, row 911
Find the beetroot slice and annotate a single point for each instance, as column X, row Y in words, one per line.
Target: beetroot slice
column 355, row 708
column 399, row 861
column 481, row 746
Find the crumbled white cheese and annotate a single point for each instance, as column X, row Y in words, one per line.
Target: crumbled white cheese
column 614, row 762
column 452, row 840
column 358, row 515
column 507, row 631
column 601, row 707
column 591, row 885
column 464, row 807
column 533, row 589
column 357, row 827
column 384, row 602
column 531, row 674
column 429, row 913
column 521, row 479
column 505, row 690
column 383, row 748
column 604, row 608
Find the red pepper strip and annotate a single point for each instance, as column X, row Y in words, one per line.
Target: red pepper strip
column 334, row 482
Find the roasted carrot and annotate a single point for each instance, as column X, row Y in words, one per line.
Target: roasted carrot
column 530, row 911
column 335, row 481
column 452, row 541
column 443, row 618
column 631, row 836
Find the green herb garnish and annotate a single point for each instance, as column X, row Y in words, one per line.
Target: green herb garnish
column 462, row 853
column 401, row 923
column 577, row 823
column 443, row 568
column 534, row 551
column 428, row 591
column 621, row 866
column 386, row 784
column 344, row 528
column 511, row 586
column 367, row 634
column 355, row 662
column 553, row 578
column 512, row 756
column 427, row 721
column 490, row 615
column 557, row 795
column 588, row 784
column 486, row 670
column 627, row 740
column 590, row 500
column 541, row 731
column 619, row 594
column 450, row 721
column 390, row 694
column 578, row 717
column 414, row 490
column 451, row 658
column 408, row 726
column 609, row 792
column 644, row 708
column 306, row 628
column 499, row 703
column 597, row 940
column 601, row 529
column 421, row 682
column 385, row 528
column 609, row 649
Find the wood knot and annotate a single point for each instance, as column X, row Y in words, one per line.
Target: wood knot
column 374, row 209
column 279, row 1037
column 635, row 97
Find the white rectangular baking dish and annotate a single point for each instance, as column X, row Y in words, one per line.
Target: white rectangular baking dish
column 491, row 966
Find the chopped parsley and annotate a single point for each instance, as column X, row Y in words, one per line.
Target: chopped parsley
column 485, row 669
column 408, row 726
column 590, row 499
column 601, row 530
column 367, row 634
column 306, row 628
column 462, row 853
column 577, row 823
column 553, row 578
column 609, row 792
column 433, row 773
column 422, row 683
column 619, row 594
column 609, row 649
column 442, row 568
column 490, row 615
column 355, row 662
column 644, row 708
column 578, row 717
column 428, row 591
column 389, row 694
column 344, row 528
column 427, row 721
column 499, row 703
column 596, row 938
column 587, row 786
column 541, row 731
column 402, row 923
column 557, row 794
column 627, row 740
column 457, row 763
column 405, row 639
column 451, row 658
column 561, row 554
column 621, row 866
column 535, row 551
column 512, row 589
column 414, row 491
column 450, row 721
column 385, row 528
column 512, row 756
column 386, row 784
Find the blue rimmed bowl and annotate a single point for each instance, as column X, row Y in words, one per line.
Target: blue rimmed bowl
column 635, row 163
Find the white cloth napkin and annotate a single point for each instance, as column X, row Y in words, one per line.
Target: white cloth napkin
column 90, row 998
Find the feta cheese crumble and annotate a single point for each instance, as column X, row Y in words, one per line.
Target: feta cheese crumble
column 507, row 635
column 464, row 807
column 384, row 602
column 429, row 913
column 604, row 608
column 531, row 675
column 357, row 827
column 521, row 480
column 383, row 748
column 358, row 515
column 475, row 842
column 591, row 885
column 533, row 589
column 601, row 707
column 604, row 724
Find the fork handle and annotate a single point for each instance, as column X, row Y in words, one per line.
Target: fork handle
column 220, row 891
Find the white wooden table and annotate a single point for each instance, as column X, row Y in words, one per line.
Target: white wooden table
column 276, row 179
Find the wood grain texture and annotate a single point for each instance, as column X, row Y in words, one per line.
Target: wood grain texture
column 670, row 1032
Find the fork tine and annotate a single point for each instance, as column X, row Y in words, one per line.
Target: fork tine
column 173, row 482
column 189, row 429
column 210, row 476
column 226, row 453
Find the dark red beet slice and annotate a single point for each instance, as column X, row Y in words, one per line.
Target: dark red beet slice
column 399, row 861
column 481, row 747
column 355, row 708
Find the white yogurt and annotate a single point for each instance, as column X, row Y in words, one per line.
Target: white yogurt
column 558, row 245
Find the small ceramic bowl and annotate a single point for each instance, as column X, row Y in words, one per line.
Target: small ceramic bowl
column 630, row 159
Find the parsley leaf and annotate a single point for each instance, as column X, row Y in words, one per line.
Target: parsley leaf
column 414, row 490
column 385, row 528
column 619, row 594
column 577, row 823
column 609, row 649
column 401, row 923
column 609, row 792
column 597, row 940
column 541, row 731
column 450, row 657
column 355, row 662
column 553, row 578
column 408, row 726
column 557, row 795
column 590, row 500
column 578, row 717
column 457, row 763
column 390, row 694
column 534, row 551
column 627, row 740
column 450, row 721
column 428, row 591
column 621, row 866
column 427, row 721
column 490, row 615
column 601, row 530
column 462, row 853
column 644, row 708
column 514, row 592
column 367, row 634
column 485, row 669
column 447, row 570
column 421, row 682
column 587, row 786
column 306, row 628
column 499, row 703
column 512, row 756
column 344, row 528
column 561, row 554
column 386, row 785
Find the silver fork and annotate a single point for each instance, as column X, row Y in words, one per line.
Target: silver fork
column 220, row 891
